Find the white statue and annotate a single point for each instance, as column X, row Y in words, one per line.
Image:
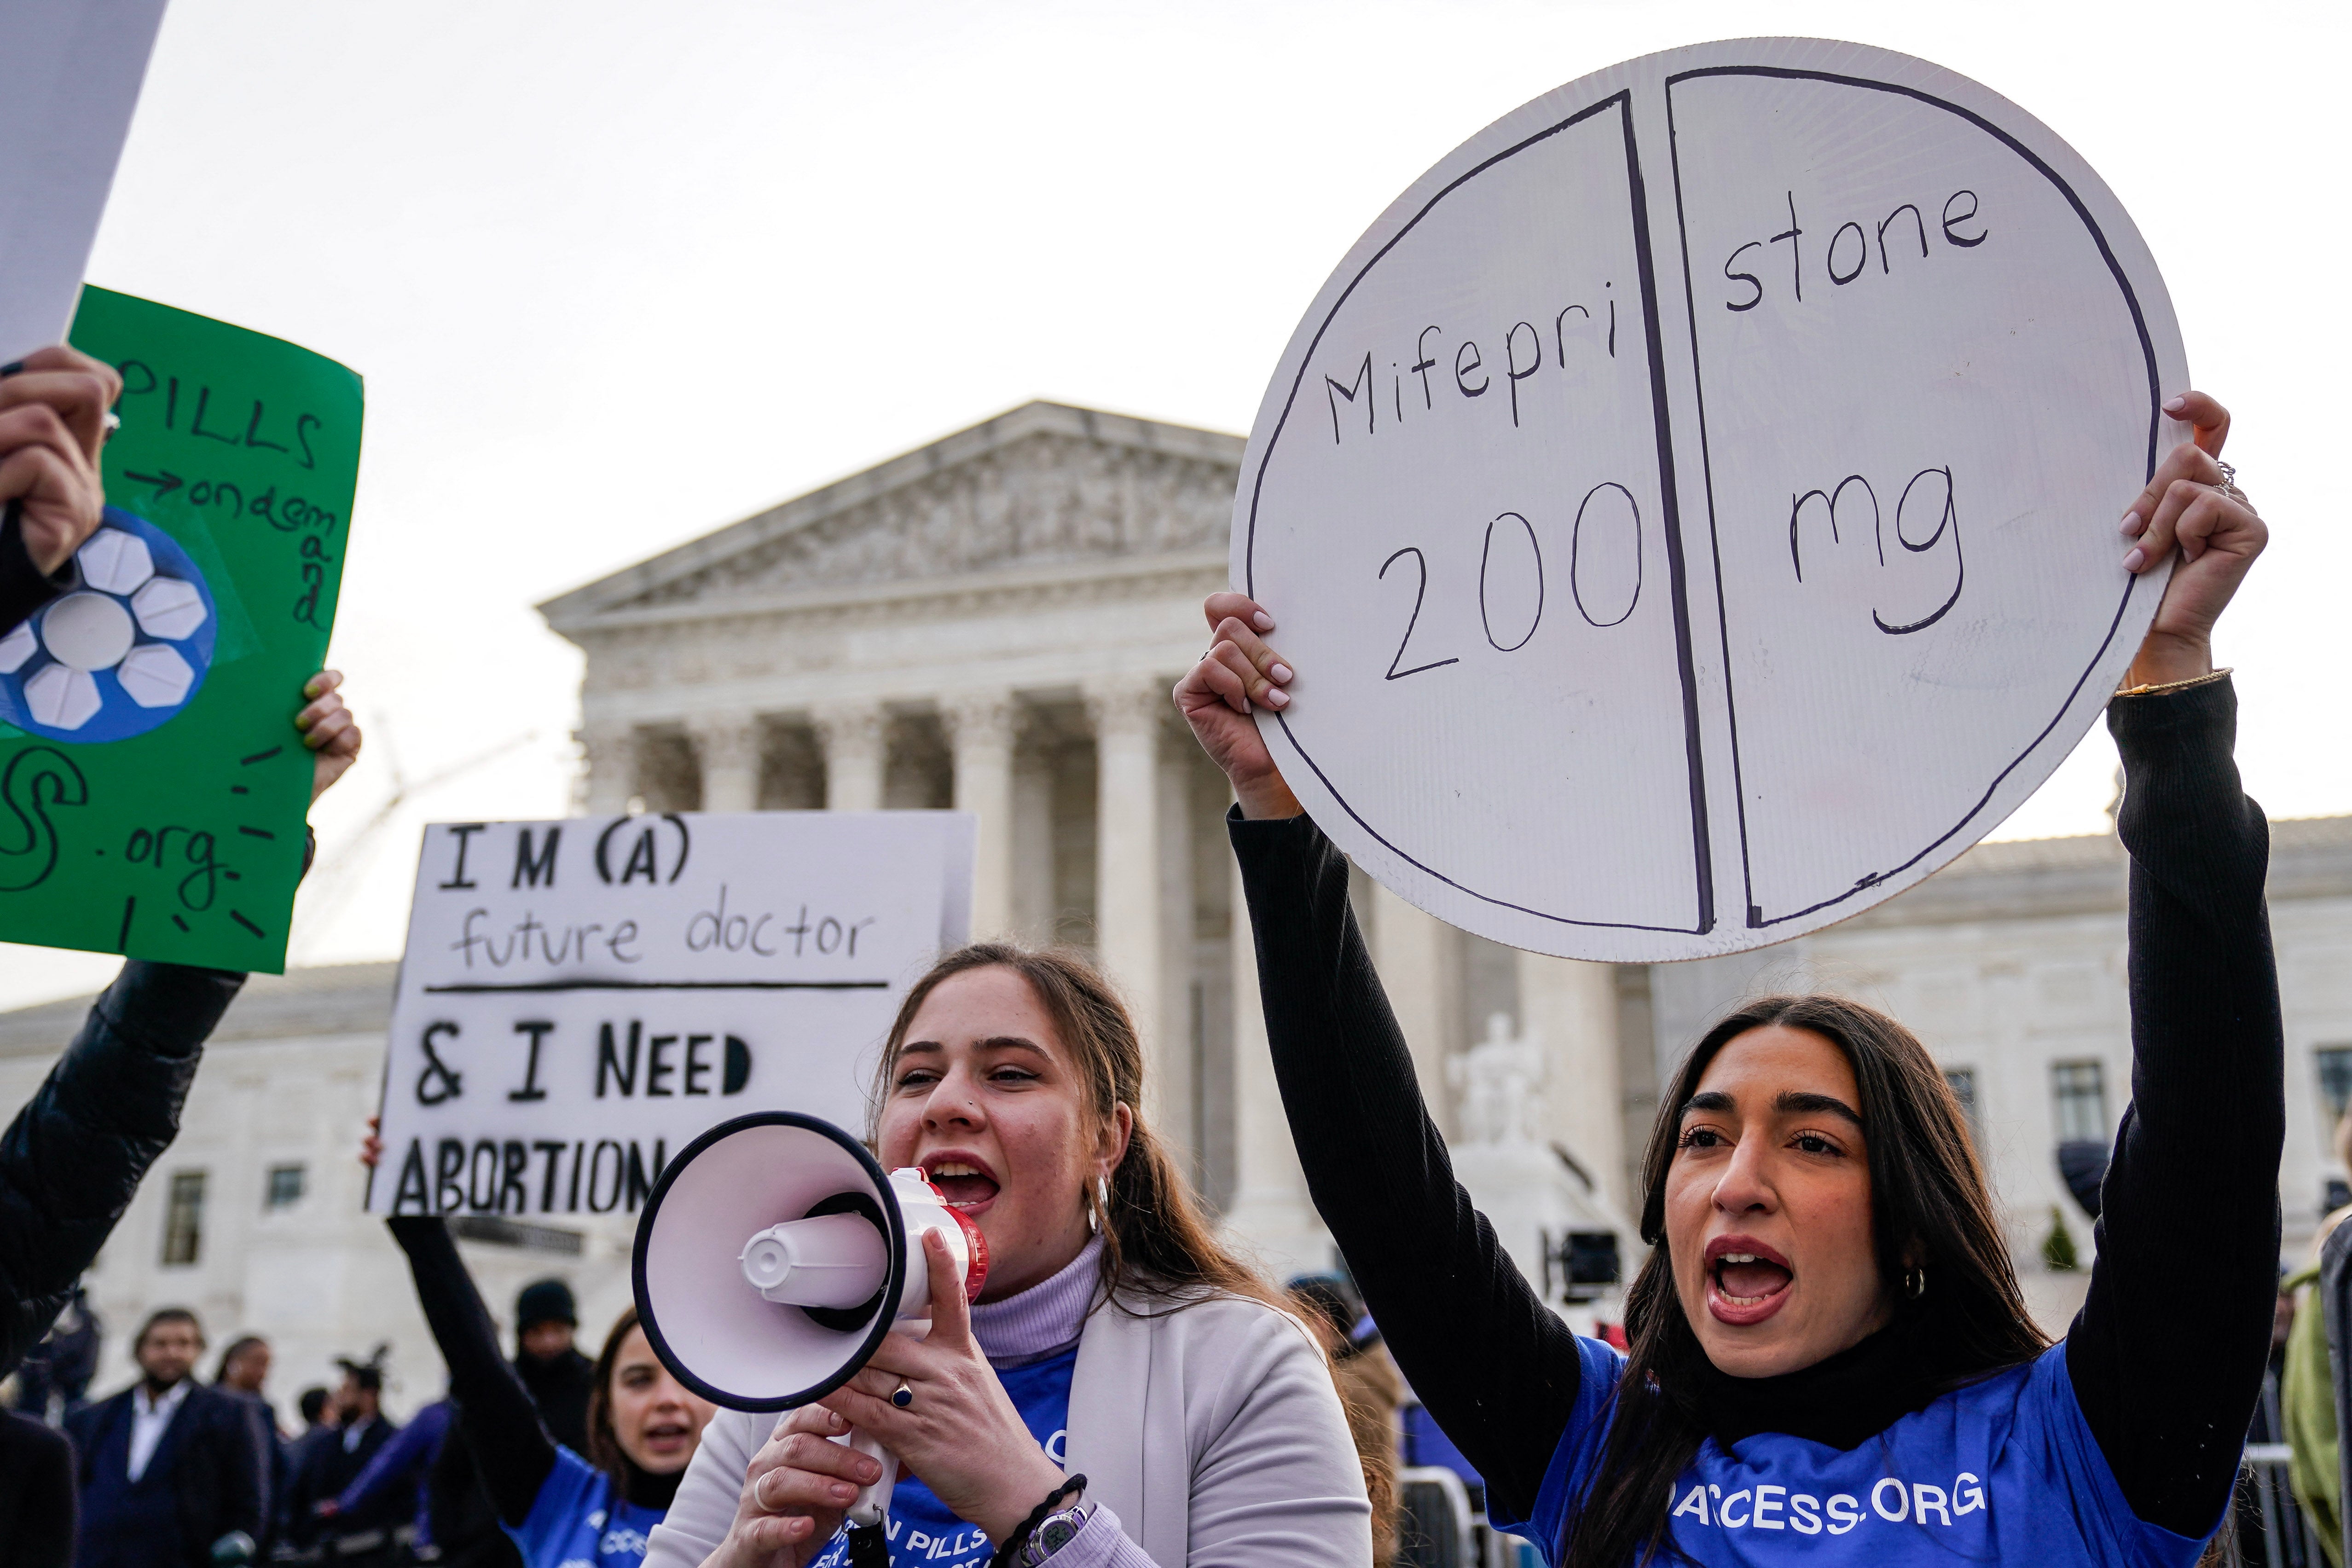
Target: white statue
column 1497, row 1084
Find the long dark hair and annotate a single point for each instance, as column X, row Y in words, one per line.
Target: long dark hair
column 1156, row 1245
column 1927, row 1199
column 604, row 1450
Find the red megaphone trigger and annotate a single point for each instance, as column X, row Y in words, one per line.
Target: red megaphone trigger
column 975, row 1274
column 975, row 1271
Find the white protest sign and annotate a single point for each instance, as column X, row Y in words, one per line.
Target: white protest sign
column 69, row 75
column 581, row 998
column 1692, row 508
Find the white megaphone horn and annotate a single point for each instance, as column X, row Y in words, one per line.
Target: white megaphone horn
column 772, row 1256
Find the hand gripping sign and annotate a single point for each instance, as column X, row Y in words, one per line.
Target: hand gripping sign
column 153, row 787
column 1692, row 507
column 582, row 999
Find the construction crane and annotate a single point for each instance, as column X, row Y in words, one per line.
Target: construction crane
column 332, row 882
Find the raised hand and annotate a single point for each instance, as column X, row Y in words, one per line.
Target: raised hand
column 2188, row 506
column 1238, row 673
column 54, row 416
column 328, row 730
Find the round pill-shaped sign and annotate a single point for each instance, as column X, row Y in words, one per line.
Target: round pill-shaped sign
column 1691, row 510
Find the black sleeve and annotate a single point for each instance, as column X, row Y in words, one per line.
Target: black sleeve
column 74, row 1156
column 510, row 1442
column 23, row 588
column 39, row 1497
column 1495, row 1367
column 2167, row 1354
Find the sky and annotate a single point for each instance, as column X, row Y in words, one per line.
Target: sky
column 617, row 275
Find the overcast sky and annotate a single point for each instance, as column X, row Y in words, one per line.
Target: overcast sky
column 617, row 275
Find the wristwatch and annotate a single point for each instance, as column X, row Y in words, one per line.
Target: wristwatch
column 1053, row 1532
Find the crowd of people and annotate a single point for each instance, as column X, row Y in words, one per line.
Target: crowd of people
column 1825, row 1341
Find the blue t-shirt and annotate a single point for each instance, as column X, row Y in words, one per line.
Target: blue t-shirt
column 578, row 1521
column 921, row 1532
column 2005, row 1470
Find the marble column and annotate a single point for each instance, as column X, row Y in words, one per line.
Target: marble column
column 852, row 736
column 981, row 731
column 611, row 754
column 1033, row 843
column 1126, row 717
column 1270, row 1213
column 1570, row 1009
column 727, row 749
column 1420, row 960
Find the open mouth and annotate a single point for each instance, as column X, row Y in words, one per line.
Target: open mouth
column 667, row 1436
column 1746, row 1280
column 965, row 1183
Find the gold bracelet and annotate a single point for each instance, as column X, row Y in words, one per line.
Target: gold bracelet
column 2173, row 685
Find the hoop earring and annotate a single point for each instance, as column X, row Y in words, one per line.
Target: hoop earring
column 1101, row 1205
column 1915, row 1282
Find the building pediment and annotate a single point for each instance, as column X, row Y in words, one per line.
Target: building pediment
column 1043, row 485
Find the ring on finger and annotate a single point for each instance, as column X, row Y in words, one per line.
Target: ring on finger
column 902, row 1395
column 2228, row 483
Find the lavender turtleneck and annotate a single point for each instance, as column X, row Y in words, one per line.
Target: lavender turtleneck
column 1044, row 1320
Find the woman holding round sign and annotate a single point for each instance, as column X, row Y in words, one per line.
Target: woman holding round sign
column 1829, row 1356
column 1124, row 1394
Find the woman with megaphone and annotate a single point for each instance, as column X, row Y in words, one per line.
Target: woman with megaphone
column 1830, row 1358
column 1124, row 1394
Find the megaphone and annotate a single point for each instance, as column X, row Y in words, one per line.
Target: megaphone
column 771, row 1257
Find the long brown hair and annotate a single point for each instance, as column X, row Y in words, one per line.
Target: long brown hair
column 1157, row 1247
column 1927, row 1199
column 604, row 1450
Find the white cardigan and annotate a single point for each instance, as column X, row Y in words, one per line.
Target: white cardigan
column 1212, row 1435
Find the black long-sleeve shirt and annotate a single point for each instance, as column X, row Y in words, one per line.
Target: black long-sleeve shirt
column 512, row 1445
column 2167, row 1356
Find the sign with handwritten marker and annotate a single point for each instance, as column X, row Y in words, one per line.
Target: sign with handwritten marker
column 1692, row 507
column 152, row 785
column 581, row 998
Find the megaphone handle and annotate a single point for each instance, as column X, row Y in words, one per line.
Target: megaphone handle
column 874, row 1503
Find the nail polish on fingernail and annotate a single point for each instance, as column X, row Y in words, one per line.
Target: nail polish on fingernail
column 1278, row 697
column 2134, row 561
column 2175, row 404
column 1262, row 620
column 2131, row 525
column 11, row 368
column 1281, row 671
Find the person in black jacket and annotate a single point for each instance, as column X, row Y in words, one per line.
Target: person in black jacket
column 54, row 416
column 335, row 1463
column 560, row 1378
column 1829, row 1313
column 74, row 1156
column 37, row 1469
column 168, row 1467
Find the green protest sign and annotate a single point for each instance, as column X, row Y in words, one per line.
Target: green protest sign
column 153, row 787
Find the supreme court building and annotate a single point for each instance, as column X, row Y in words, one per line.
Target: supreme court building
column 993, row 622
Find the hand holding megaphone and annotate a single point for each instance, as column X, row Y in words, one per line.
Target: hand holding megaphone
column 773, row 1258
column 959, row 1425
